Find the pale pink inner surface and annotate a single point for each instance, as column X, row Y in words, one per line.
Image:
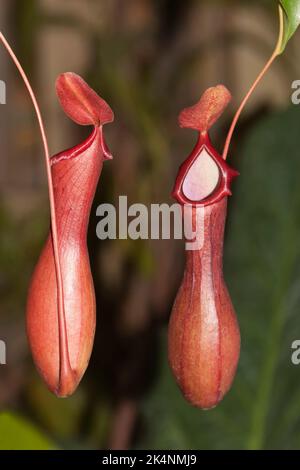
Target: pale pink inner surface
column 202, row 177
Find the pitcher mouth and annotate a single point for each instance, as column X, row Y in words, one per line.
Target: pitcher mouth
column 222, row 187
column 77, row 150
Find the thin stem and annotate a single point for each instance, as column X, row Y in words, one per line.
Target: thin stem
column 276, row 52
column 65, row 362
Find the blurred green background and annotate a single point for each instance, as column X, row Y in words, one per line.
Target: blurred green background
column 149, row 59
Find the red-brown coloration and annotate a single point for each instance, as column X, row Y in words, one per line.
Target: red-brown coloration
column 226, row 175
column 61, row 342
column 207, row 111
column 204, row 338
column 80, row 102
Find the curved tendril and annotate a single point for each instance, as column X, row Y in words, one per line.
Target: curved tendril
column 60, row 292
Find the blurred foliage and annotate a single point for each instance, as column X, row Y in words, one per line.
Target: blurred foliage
column 26, row 24
column 18, row 254
column 18, row 434
column 66, row 418
column 262, row 411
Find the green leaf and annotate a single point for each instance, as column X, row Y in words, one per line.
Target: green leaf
column 291, row 20
column 18, row 434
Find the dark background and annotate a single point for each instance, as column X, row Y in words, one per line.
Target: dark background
column 149, row 59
